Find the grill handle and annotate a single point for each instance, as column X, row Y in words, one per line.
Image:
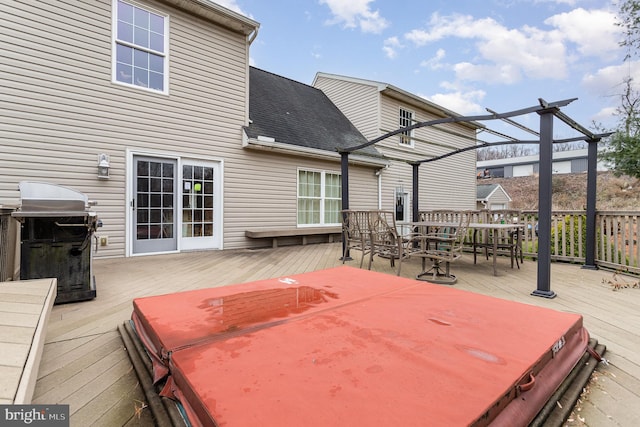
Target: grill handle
column 70, row 225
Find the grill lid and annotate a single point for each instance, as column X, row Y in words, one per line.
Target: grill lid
column 45, row 199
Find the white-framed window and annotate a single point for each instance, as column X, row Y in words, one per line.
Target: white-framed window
column 406, row 119
column 319, row 198
column 140, row 47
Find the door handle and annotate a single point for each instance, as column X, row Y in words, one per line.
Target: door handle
column 133, row 204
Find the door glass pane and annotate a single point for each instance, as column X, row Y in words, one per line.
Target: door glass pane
column 154, row 193
column 197, row 202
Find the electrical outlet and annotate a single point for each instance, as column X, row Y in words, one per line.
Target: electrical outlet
column 104, row 240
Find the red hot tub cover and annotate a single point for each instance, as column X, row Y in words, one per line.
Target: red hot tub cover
column 346, row 346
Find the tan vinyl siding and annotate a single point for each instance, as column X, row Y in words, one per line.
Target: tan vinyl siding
column 269, row 198
column 59, row 108
column 447, row 183
column 359, row 102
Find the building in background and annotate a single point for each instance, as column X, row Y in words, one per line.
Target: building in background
column 572, row 161
column 492, row 196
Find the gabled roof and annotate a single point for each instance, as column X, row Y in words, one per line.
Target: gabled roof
column 485, row 191
column 285, row 112
column 401, row 95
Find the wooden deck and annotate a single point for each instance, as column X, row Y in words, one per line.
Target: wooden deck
column 85, row 365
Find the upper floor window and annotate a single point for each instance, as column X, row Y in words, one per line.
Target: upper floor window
column 406, row 119
column 140, row 47
column 319, row 198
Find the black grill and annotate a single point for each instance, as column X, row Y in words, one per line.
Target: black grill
column 56, row 239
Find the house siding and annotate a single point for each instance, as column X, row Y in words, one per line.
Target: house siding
column 59, row 108
column 271, row 198
column 375, row 114
column 359, row 102
column 440, row 179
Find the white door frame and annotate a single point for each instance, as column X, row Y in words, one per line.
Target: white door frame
column 181, row 159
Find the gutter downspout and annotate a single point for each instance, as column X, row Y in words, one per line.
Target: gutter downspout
column 250, row 39
column 379, row 175
column 253, row 36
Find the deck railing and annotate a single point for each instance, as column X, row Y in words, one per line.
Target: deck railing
column 616, row 238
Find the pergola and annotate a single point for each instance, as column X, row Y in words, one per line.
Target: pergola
column 547, row 112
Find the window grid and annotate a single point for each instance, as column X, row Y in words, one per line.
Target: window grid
column 154, row 204
column 406, row 119
column 140, row 57
column 319, row 198
column 197, row 201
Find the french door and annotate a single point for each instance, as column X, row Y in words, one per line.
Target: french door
column 154, row 205
column 201, row 209
column 176, row 204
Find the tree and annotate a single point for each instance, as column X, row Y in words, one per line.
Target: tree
column 622, row 151
column 629, row 16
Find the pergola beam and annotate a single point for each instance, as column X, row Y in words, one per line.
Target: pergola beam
column 459, row 119
column 547, row 111
column 515, row 124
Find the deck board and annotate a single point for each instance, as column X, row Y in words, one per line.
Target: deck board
column 84, row 363
column 25, row 307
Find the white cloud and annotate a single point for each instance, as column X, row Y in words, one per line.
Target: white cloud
column 606, row 116
column 609, row 81
column 567, row 2
column 356, row 14
column 435, row 62
column 490, row 73
column 607, row 85
column 504, row 55
column 464, row 103
column 593, row 31
column 232, row 5
column 391, row 46
column 510, row 55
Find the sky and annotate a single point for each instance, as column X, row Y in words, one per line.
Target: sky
column 465, row 55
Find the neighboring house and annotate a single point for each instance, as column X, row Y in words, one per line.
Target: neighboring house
column 572, row 161
column 377, row 108
column 492, row 196
column 160, row 89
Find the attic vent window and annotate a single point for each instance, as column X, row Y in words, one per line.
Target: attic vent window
column 406, row 119
column 140, row 47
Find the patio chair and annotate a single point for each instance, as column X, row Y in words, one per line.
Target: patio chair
column 386, row 242
column 356, row 235
column 442, row 245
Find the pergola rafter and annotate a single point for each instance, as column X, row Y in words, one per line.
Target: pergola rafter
column 547, row 111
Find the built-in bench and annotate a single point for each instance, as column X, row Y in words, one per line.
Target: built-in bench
column 304, row 233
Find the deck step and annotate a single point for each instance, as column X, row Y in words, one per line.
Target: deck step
column 25, row 306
